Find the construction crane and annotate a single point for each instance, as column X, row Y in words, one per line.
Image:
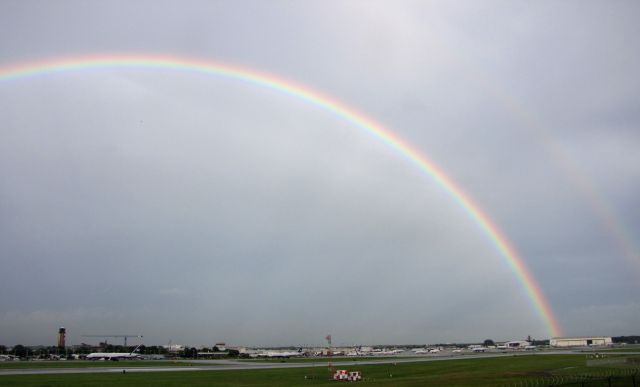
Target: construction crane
column 123, row 336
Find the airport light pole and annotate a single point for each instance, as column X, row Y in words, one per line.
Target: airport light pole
column 329, row 354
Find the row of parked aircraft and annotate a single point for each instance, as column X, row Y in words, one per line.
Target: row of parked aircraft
column 422, row 351
column 301, row 352
column 280, row 354
column 362, row 351
column 385, row 352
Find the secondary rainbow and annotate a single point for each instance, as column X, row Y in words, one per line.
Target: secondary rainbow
column 497, row 238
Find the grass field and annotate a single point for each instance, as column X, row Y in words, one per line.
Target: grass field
column 87, row 364
column 165, row 363
column 323, row 360
column 626, row 349
column 465, row 372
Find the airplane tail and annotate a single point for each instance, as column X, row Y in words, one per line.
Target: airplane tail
column 135, row 349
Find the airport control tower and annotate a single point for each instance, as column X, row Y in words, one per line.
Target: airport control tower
column 61, row 335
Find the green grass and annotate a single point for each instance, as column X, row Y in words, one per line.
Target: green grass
column 324, row 360
column 632, row 349
column 89, row 364
column 463, row 372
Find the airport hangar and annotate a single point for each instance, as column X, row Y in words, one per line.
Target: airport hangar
column 579, row 341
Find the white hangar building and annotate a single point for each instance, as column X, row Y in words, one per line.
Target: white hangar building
column 579, row 341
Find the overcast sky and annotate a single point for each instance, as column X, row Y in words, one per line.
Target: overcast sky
column 199, row 209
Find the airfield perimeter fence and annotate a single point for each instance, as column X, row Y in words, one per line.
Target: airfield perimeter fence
column 629, row 380
column 602, row 371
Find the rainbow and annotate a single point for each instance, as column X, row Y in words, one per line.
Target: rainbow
column 497, row 238
column 619, row 233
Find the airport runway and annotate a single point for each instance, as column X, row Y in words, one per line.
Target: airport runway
column 227, row 365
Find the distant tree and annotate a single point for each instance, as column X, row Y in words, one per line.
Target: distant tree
column 41, row 352
column 3, row 350
column 626, row 339
column 19, row 350
column 189, row 353
column 215, row 348
column 233, row 353
column 156, row 350
column 489, row 343
column 84, row 349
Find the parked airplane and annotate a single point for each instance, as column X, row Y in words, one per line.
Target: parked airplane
column 356, row 352
column 115, row 356
column 282, row 355
column 385, row 352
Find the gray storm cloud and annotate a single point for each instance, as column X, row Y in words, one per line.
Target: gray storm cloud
column 195, row 209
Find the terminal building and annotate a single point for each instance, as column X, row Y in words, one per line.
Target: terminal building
column 579, row 341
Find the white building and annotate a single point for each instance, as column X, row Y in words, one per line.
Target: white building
column 579, row 341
